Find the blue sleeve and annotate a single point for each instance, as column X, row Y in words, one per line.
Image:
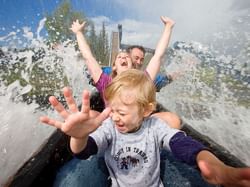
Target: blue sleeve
column 161, row 81
column 107, row 70
column 90, row 149
column 185, row 148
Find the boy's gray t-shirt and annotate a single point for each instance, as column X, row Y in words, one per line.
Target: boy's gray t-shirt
column 133, row 159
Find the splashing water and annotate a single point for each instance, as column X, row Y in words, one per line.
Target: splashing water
column 211, row 94
column 27, row 78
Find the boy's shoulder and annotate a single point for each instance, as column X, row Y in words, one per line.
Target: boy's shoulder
column 154, row 122
column 158, row 124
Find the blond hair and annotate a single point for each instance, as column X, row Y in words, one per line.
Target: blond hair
column 138, row 82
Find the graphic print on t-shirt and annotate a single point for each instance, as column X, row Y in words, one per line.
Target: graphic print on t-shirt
column 130, row 157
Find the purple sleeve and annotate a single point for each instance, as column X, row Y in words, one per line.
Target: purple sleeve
column 90, row 149
column 185, row 148
column 102, row 83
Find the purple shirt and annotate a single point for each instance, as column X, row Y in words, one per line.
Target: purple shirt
column 102, row 83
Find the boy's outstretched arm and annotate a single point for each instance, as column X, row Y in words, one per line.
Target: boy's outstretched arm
column 153, row 66
column 215, row 171
column 93, row 66
column 77, row 124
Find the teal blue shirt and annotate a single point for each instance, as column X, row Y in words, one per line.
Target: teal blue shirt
column 160, row 81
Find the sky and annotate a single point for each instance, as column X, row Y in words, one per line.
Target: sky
column 196, row 20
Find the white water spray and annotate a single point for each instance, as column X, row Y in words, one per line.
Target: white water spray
column 209, row 99
column 21, row 133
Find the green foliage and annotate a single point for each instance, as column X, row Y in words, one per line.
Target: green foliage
column 240, row 90
column 103, row 47
column 92, row 39
column 207, row 75
column 47, row 80
column 236, row 89
column 45, row 83
column 12, row 73
column 60, row 21
column 99, row 44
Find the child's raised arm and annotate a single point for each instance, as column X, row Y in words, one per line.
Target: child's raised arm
column 77, row 124
column 153, row 66
column 93, row 66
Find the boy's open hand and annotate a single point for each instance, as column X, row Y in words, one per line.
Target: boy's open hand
column 77, row 124
column 226, row 176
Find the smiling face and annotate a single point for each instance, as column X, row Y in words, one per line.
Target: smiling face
column 122, row 63
column 137, row 56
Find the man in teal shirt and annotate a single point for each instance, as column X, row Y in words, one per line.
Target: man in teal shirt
column 137, row 54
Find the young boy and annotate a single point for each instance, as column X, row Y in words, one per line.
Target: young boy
column 131, row 139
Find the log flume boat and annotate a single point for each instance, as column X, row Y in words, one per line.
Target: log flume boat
column 41, row 169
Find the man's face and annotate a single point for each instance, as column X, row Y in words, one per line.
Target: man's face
column 137, row 57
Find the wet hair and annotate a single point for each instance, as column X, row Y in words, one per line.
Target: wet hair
column 130, row 48
column 136, row 81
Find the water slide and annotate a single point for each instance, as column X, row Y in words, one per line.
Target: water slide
column 212, row 97
column 53, row 165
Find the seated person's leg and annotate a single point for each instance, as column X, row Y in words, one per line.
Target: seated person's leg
column 178, row 174
column 170, row 118
column 89, row 173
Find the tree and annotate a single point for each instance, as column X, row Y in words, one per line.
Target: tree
column 103, row 46
column 60, row 21
column 99, row 44
column 92, row 39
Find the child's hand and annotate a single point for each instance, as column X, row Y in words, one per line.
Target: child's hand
column 167, row 21
column 77, row 124
column 225, row 175
column 77, row 27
